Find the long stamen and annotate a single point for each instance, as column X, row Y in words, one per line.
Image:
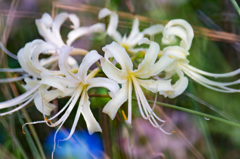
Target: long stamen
column 19, row 99
column 19, row 107
column 79, row 111
column 229, row 74
column 160, row 127
column 68, row 111
column 155, row 100
column 54, row 140
column 210, row 82
column 8, row 52
column 11, row 70
column 146, row 106
column 35, row 122
column 140, row 105
column 7, row 80
column 79, row 90
column 52, row 118
column 151, row 116
column 223, row 89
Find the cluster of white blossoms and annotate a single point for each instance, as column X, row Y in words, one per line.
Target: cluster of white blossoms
column 44, row 83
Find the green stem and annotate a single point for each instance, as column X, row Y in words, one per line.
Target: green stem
column 186, row 110
column 236, row 6
column 195, row 112
column 34, row 133
column 29, row 140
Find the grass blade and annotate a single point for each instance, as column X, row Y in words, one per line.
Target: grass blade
column 31, row 144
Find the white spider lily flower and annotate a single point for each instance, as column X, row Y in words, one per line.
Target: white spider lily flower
column 135, row 35
column 180, row 28
column 49, row 29
column 28, row 58
column 130, row 78
column 76, row 86
column 33, row 93
column 181, row 65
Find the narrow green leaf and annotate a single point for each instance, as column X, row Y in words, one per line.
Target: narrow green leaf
column 203, row 127
column 32, row 145
column 34, row 134
column 236, row 6
column 195, row 112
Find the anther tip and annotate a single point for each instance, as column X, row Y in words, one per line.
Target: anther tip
column 124, row 116
column 23, row 131
column 47, row 120
column 15, row 76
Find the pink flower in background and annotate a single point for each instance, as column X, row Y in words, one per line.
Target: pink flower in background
column 146, row 142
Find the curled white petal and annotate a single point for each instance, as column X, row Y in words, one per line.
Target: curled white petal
column 120, row 55
column 87, row 62
column 47, row 20
column 154, row 29
column 156, row 86
column 44, row 47
column 112, row 26
column 103, row 13
column 181, row 28
column 47, row 34
column 53, row 81
column 149, row 58
column 57, row 23
column 30, row 83
column 50, row 29
column 104, row 82
column 112, row 72
column 179, row 87
column 135, row 29
column 42, row 106
column 25, row 60
column 63, row 65
column 144, row 41
column 129, row 118
column 176, row 31
column 114, row 104
column 81, row 31
column 92, row 124
column 158, row 67
column 136, row 50
column 176, row 52
column 75, row 20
